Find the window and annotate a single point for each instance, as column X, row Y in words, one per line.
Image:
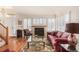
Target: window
column 39, row 21
column 27, row 23
column 61, row 22
column 52, row 23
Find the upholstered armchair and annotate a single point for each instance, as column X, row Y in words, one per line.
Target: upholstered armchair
column 27, row 33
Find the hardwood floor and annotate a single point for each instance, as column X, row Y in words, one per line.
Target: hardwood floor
column 16, row 44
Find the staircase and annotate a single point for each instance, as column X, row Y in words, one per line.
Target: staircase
column 3, row 32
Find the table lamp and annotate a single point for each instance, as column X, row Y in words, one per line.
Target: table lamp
column 72, row 28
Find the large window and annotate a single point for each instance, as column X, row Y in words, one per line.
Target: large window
column 61, row 22
column 39, row 21
column 52, row 23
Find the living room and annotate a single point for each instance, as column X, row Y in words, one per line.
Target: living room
column 39, row 28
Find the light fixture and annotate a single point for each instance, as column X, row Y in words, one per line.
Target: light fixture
column 7, row 11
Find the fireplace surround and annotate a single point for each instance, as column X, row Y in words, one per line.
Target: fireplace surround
column 39, row 30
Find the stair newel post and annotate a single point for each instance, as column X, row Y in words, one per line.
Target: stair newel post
column 7, row 33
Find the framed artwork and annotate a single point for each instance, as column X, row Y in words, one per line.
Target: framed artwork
column 20, row 22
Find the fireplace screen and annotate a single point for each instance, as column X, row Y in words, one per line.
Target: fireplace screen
column 39, row 31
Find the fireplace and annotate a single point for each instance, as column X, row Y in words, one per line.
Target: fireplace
column 39, row 32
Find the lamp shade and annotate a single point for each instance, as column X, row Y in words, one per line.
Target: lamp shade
column 72, row 28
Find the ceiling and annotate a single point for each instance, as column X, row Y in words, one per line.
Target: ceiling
column 45, row 10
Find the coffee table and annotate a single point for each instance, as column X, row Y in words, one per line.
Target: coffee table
column 36, row 45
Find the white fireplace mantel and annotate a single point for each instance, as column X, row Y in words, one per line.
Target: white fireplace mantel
column 40, row 26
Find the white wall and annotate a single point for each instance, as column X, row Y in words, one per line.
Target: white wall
column 75, row 16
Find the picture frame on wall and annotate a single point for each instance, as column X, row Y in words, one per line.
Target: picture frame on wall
column 20, row 22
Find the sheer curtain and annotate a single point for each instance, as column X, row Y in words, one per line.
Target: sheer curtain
column 27, row 23
column 39, row 21
column 52, row 23
column 61, row 22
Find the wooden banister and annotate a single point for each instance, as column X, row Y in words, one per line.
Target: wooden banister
column 4, row 32
column 7, row 33
column 3, row 25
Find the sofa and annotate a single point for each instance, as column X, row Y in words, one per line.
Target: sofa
column 56, row 38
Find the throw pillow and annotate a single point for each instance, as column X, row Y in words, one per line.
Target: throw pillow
column 65, row 35
column 59, row 34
